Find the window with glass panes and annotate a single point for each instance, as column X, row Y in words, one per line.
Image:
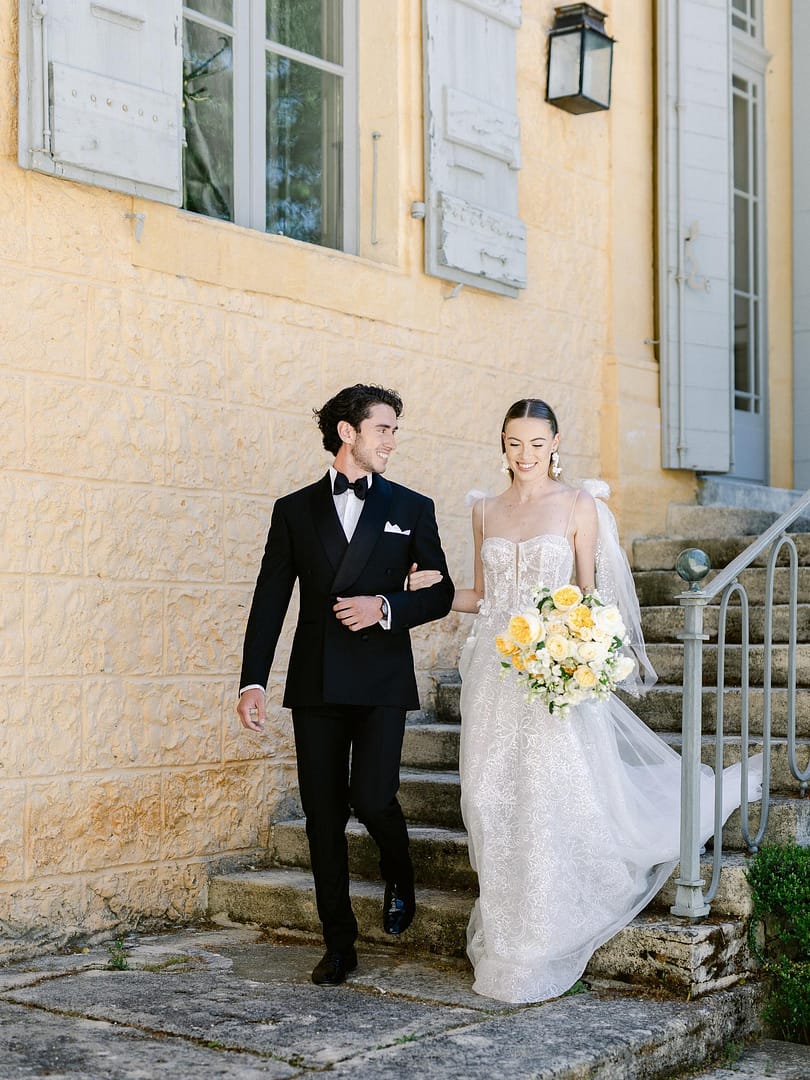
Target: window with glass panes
column 747, row 87
column 269, row 95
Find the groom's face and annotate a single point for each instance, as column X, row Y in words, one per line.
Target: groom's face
column 375, row 440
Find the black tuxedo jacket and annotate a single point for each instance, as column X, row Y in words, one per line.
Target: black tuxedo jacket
column 328, row 663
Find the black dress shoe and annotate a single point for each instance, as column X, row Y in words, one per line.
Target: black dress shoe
column 333, row 967
column 399, row 907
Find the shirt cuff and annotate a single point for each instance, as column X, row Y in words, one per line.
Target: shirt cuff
column 252, row 686
column 384, row 623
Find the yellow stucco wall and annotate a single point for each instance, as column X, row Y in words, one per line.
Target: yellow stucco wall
column 778, row 255
column 157, row 397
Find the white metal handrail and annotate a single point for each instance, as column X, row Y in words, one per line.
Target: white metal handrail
column 690, row 900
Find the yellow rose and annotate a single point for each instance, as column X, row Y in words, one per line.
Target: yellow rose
column 569, row 596
column 517, row 662
column 557, row 647
column 557, row 629
column 505, row 646
column 524, row 629
column 580, row 618
column 585, row 677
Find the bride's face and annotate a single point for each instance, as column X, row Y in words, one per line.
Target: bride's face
column 528, row 444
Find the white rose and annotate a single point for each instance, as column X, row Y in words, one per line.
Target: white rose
column 592, row 652
column 625, row 665
column 609, row 620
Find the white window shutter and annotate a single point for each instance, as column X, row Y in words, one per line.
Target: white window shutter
column 472, row 144
column 694, row 233
column 101, row 93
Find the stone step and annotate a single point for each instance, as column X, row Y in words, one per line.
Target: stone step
column 687, row 519
column 284, row 899
column 661, row 587
column 663, row 623
column 689, row 959
column 782, row 780
column 733, row 897
column 431, row 798
column 441, row 860
column 661, row 709
column 435, row 799
column 676, row 956
column 440, row 857
column 668, row 663
column 431, row 746
column 719, row 489
column 788, row 823
column 447, row 687
column 660, row 553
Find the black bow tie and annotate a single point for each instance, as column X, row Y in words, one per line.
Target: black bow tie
column 359, row 487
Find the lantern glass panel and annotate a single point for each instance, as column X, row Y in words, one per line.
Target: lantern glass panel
column 596, row 67
column 564, row 65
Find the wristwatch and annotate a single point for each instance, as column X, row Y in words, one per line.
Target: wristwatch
column 384, row 609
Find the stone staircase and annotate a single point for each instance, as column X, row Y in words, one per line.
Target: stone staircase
column 656, row 949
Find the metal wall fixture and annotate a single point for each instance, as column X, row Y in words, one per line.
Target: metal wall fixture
column 580, row 60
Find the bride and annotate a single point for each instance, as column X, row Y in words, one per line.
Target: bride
column 572, row 820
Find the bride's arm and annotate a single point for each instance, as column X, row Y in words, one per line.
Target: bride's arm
column 470, row 599
column 586, row 535
column 467, row 600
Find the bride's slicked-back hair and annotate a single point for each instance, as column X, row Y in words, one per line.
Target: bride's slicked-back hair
column 353, row 404
column 533, row 408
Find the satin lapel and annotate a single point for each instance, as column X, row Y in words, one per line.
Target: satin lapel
column 366, row 535
column 327, row 523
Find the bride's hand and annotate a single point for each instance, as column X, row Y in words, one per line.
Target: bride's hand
column 422, row 579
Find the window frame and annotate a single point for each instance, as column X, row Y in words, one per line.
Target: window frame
column 250, row 48
column 749, row 61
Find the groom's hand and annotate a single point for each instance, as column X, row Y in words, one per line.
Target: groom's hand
column 358, row 612
column 251, row 710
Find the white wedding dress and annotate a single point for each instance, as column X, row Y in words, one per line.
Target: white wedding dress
column 573, row 823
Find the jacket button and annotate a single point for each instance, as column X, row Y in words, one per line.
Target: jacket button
column 364, row 637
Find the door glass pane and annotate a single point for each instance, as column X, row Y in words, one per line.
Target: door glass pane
column 741, row 247
column 742, row 373
column 310, row 26
column 208, row 117
column 304, row 152
column 214, row 9
column 740, row 120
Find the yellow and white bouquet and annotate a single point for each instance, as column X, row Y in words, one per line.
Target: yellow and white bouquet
column 567, row 649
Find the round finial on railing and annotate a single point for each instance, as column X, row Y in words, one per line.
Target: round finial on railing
column 693, row 565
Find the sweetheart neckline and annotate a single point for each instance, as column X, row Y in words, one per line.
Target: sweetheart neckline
column 520, row 543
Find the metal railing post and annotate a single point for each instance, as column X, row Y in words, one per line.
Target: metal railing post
column 689, row 901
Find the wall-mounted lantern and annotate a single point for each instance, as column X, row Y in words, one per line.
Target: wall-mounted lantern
column 580, row 60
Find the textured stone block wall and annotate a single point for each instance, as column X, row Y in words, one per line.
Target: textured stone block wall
column 155, row 397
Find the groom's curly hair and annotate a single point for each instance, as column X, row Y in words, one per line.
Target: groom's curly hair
column 353, row 404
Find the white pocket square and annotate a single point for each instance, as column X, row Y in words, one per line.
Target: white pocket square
column 396, row 529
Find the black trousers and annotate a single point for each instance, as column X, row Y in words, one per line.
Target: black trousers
column 348, row 759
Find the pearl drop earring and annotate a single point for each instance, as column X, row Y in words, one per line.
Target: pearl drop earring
column 505, row 465
column 556, row 470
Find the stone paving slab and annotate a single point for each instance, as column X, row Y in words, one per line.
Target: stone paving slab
column 585, row 1036
column 38, row 1044
column 767, row 1060
column 231, row 1003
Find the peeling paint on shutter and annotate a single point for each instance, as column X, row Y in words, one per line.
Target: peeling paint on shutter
column 101, row 93
column 694, row 233
column 473, row 234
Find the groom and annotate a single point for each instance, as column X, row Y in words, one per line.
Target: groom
column 349, row 541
